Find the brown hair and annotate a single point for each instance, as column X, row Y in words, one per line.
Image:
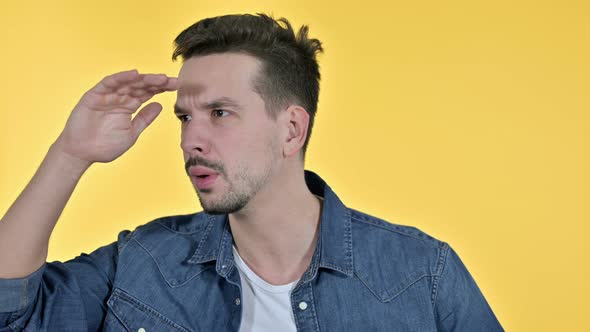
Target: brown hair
column 290, row 72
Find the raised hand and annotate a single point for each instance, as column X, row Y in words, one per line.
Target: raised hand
column 101, row 128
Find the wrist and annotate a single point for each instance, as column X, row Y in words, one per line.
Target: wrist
column 66, row 162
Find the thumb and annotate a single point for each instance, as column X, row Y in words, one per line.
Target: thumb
column 144, row 118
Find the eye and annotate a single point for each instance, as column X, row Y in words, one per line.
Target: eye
column 219, row 113
column 184, row 117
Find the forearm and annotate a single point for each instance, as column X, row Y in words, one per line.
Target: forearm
column 99, row 129
column 26, row 227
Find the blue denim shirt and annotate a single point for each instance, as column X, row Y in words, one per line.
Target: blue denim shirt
column 177, row 273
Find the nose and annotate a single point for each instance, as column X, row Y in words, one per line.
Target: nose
column 195, row 138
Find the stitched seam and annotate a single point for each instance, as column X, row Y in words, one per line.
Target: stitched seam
column 226, row 261
column 155, row 262
column 163, row 225
column 348, row 269
column 141, row 306
column 162, row 273
column 315, row 315
column 23, row 300
column 117, row 318
column 396, row 231
column 436, row 280
column 293, row 306
column 332, row 266
column 120, row 319
column 369, row 288
column 131, row 236
column 406, row 288
column 388, row 291
column 348, row 242
column 204, row 238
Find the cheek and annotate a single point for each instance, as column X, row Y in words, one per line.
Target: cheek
column 274, row 147
column 252, row 144
column 257, row 138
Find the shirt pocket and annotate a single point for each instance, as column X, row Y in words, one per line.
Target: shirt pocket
column 127, row 313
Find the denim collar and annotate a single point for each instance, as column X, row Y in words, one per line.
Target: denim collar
column 333, row 250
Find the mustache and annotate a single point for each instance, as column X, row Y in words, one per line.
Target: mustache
column 199, row 161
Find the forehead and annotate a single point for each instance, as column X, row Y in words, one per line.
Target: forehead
column 210, row 76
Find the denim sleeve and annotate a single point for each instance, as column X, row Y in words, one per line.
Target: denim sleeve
column 62, row 296
column 459, row 303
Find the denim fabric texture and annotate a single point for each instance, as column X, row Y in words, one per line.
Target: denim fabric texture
column 177, row 273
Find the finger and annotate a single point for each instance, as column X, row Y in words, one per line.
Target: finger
column 114, row 81
column 138, row 92
column 129, row 105
column 151, row 83
column 155, row 79
column 172, row 84
column 112, row 101
column 144, row 118
column 150, row 80
column 152, row 89
column 144, row 95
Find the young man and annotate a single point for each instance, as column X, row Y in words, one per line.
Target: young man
column 273, row 250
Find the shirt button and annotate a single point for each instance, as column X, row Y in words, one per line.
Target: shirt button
column 141, row 329
column 302, row 305
column 238, row 301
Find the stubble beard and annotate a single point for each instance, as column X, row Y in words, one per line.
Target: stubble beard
column 242, row 187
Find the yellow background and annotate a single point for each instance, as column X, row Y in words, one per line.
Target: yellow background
column 466, row 119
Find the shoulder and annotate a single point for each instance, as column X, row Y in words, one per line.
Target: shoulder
column 391, row 233
column 173, row 228
column 180, row 224
column 390, row 257
column 166, row 243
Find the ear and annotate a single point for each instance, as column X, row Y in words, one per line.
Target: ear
column 295, row 121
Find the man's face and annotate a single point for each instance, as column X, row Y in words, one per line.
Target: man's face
column 230, row 145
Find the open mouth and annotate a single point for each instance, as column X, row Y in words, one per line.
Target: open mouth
column 205, row 181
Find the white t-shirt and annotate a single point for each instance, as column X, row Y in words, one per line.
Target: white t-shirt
column 265, row 307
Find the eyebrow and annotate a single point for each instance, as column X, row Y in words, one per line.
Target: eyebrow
column 216, row 103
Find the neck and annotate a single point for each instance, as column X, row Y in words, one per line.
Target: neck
column 276, row 233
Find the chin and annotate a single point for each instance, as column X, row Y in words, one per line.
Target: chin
column 223, row 207
column 219, row 211
column 214, row 212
